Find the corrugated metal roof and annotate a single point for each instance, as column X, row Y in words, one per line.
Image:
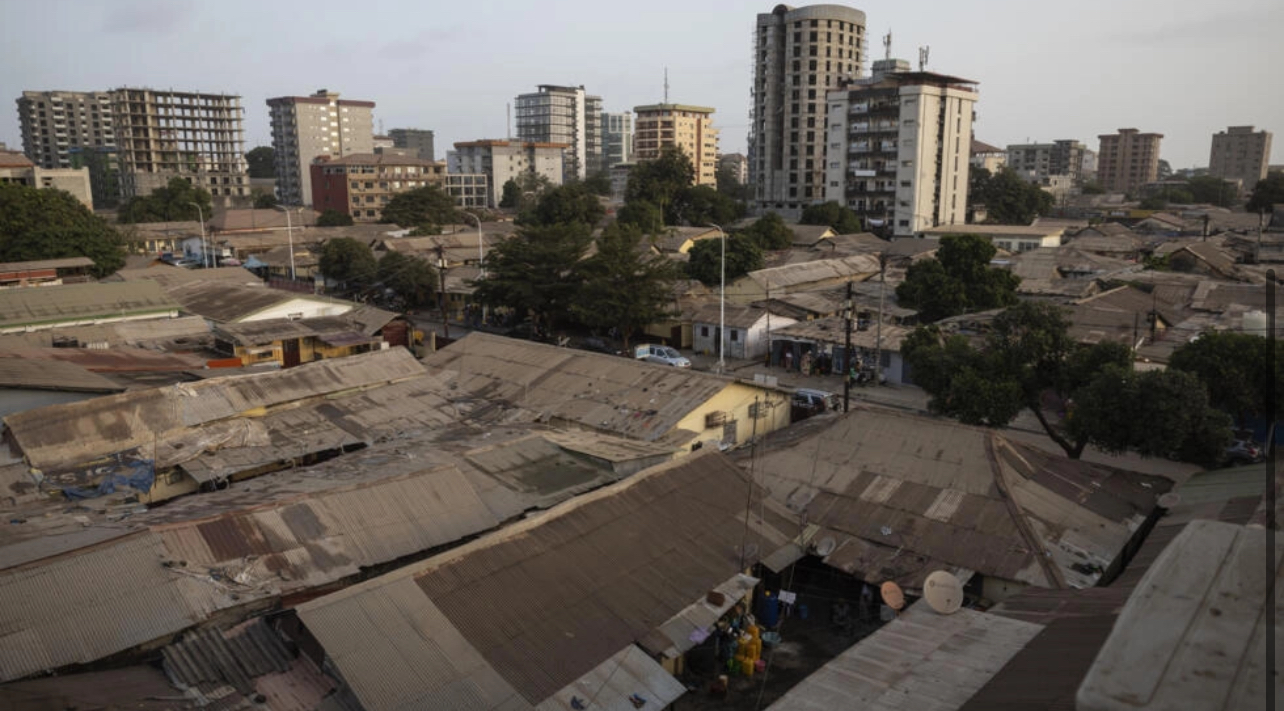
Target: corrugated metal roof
column 819, row 271
column 169, row 276
column 17, row 371
column 67, row 263
column 834, row 330
column 920, row 660
column 610, row 685
column 224, row 302
column 116, row 359
column 235, row 656
column 51, row 305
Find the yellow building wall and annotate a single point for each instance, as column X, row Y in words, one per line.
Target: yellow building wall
column 310, row 349
column 736, row 400
column 168, row 485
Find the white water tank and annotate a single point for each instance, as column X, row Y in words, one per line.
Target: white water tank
column 1254, row 322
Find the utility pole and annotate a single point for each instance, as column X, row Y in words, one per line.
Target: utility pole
column 441, row 277
column 878, row 339
column 847, row 354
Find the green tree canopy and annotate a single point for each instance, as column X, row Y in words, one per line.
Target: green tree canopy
column 512, row 195
column 538, row 270
column 643, row 215
column 1093, row 187
column 264, row 200
column 52, row 224
column 625, row 286
column 1008, row 199
column 1210, row 189
column 429, row 205
column 412, row 278
column 334, row 218
column 1236, row 369
column 348, row 262
column 743, row 256
column 172, row 203
column 262, row 162
column 599, row 183
column 1029, row 361
column 1268, row 193
column 959, row 279
column 841, row 219
column 769, row 232
column 659, row 181
column 699, row 205
column 564, row 205
column 730, row 185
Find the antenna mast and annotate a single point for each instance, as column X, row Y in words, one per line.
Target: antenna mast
column 887, row 45
column 508, row 121
column 666, row 85
column 922, row 57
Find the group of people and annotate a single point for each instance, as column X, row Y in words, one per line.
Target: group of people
column 810, row 364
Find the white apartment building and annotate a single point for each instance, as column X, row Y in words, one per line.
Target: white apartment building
column 564, row 115
column 617, row 139
column 501, row 161
column 899, row 145
column 305, row 127
column 800, row 54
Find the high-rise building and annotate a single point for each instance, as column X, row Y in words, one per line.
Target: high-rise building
column 164, row 134
column 1127, row 160
column 1039, row 161
column 899, row 147
column 737, row 163
column 800, row 54
column 687, row 127
column 617, row 139
column 501, row 161
column 53, row 123
column 566, row 115
column 417, row 140
column 1240, row 153
column 305, row 127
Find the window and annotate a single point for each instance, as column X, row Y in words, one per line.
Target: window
column 904, row 223
column 735, row 335
column 704, row 331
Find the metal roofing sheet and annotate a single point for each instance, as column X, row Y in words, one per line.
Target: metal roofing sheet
column 50, row 305
column 611, row 684
column 920, row 660
column 17, row 371
column 47, row 264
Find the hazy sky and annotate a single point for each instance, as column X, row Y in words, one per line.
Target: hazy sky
column 1179, row 67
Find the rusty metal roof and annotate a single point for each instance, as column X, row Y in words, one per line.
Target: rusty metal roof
column 539, row 604
column 903, row 494
column 834, row 330
column 50, row 305
column 67, row 263
column 19, row 369
column 820, row 271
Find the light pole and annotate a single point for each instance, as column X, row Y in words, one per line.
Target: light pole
column 289, row 232
column 441, row 275
column 722, row 304
column 205, row 252
column 481, row 255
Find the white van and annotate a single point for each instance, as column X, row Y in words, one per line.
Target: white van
column 664, row 355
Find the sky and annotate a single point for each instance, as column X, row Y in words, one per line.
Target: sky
column 1182, row 68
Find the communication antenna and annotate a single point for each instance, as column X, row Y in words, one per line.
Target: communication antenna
column 887, row 45
column 381, row 127
column 943, row 592
column 508, row 121
column 666, row 85
column 922, row 57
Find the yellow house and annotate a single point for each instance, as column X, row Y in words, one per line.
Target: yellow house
column 288, row 343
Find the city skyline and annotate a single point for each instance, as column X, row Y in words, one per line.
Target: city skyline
column 455, row 69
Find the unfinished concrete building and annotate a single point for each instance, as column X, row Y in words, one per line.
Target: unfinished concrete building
column 164, row 134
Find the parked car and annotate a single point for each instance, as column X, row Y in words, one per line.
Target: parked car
column 1243, row 451
column 597, row 345
column 664, row 355
column 806, row 402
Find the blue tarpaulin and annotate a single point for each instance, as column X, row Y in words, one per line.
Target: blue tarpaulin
column 126, row 469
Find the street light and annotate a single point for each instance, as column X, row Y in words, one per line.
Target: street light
column 722, row 305
column 205, row 252
column 289, row 231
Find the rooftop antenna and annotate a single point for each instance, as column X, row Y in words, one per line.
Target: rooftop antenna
column 508, row 121
column 666, row 85
column 887, row 45
column 922, row 57
column 381, row 133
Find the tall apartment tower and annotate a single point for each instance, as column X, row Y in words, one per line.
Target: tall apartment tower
column 1038, row 161
column 687, row 127
column 73, row 129
column 304, row 127
column 417, row 140
column 1127, row 160
column 617, row 139
column 799, row 56
column 900, row 146
column 161, row 135
column 564, row 114
column 1239, row 153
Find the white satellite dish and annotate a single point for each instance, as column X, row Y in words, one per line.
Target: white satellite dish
column 826, row 546
column 1169, row 500
column 943, row 592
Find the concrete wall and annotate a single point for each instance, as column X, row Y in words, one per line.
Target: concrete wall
column 736, row 400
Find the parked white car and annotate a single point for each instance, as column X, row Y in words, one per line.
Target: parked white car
column 664, row 355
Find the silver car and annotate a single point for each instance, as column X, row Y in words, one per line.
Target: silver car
column 664, row 355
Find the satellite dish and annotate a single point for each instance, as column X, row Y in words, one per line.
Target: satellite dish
column 1169, row 500
column 943, row 592
column 826, row 546
column 892, row 595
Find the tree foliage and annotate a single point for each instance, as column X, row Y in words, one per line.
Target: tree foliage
column 512, row 195
column 334, row 218
column 264, row 200
column 841, row 219
column 564, row 205
column 412, row 278
column 769, row 232
column 538, row 270
column 643, row 215
column 730, row 185
column 1236, row 369
column 1008, row 199
column 1212, row 190
column 599, row 183
column 959, row 279
column 52, row 224
column 1093, row 187
column 262, row 162
column 1029, row 361
column 1268, row 193
column 429, row 205
column 743, row 256
column 659, row 181
column 172, row 203
column 699, row 205
column 625, row 286
column 349, row 262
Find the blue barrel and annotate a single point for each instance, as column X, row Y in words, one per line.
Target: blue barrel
column 768, row 610
column 802, row 611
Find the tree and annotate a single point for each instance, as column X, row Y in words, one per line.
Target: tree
column 564, row 205
column 172, row 203
column 729, row 184
column 512, row 195
column 1236, row 371
column 412, row 278
column 769, row 232
column 599, row 183
column 625, row 287
column 1212, row 190
column 1080, row 394
column 262, row 162
column 841, row 219
column 1008, row 199
column 699, row 205
column 1268, row 193
column 1093, row 187
column 429, row 205
column 659, row 181
column 264, row 200
column 40, row 224
column 959, row 279
column 334, row 218
column 538, row 270
column 643, row 215
column 348, row 262
column 705, row 264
